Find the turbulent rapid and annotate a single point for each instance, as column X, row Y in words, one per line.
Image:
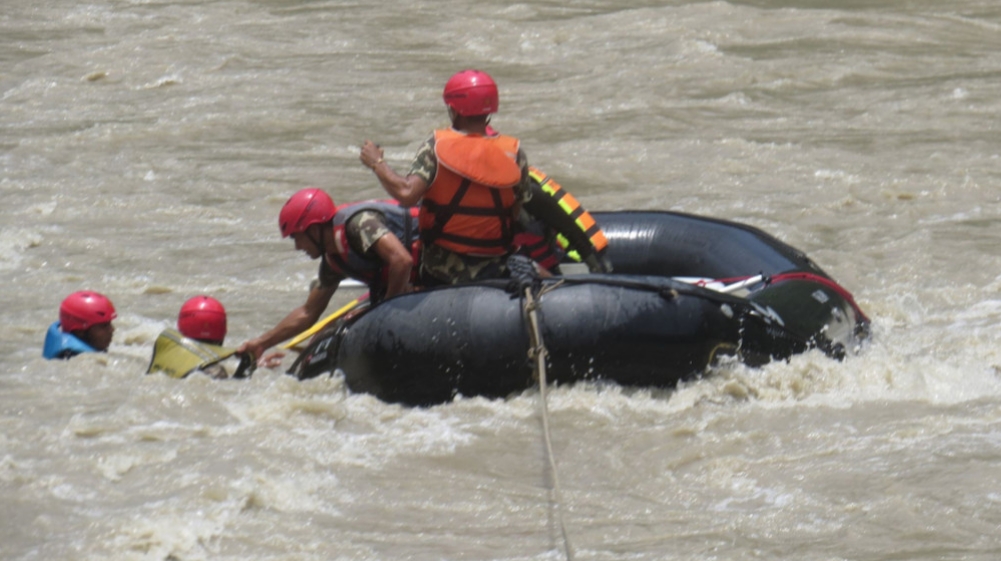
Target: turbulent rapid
column 148, row 146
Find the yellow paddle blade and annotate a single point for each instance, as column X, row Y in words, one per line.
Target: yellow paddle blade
column 325, row 322
column 177, row 356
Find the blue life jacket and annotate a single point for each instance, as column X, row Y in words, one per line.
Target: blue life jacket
column 63, row 345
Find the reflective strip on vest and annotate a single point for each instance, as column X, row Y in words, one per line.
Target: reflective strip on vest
column 572, row 207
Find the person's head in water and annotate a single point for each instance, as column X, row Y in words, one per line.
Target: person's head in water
column 203, row 319
column 87, row 315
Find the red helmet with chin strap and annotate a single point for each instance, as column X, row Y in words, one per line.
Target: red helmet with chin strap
column 202, row 318
column 470, row 93
column 83, row 309
column 305, row 208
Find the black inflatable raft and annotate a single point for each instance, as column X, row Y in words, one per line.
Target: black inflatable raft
column 686, row 292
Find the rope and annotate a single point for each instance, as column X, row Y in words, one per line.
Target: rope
column 537, row 352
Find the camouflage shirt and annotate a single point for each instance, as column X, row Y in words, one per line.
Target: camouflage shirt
column 362, row 231
column 440, row 265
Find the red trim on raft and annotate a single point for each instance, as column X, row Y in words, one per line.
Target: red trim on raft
column 807, row 277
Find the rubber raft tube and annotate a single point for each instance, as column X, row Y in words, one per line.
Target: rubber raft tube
column 674, row 244
column 637, row 327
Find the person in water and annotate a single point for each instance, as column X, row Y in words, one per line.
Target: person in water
column 196, row 344
column 470, row 186
column 84, row 326
column 203, row 319
column 370, row 241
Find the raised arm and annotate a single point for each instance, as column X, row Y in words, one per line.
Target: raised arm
column 407, row 190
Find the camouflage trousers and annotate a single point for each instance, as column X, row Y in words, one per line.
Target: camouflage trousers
column 442, row 266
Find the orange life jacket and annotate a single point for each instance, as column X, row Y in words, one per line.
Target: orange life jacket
column 467, row 208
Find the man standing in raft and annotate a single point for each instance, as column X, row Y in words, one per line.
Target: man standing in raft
column 470, row 186
column 84, row 326
column 364, row 241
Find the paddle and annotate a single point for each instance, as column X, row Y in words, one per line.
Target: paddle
column 741, row 284
column 325, row 322
column 720, row 285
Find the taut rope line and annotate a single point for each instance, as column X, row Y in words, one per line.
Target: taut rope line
column 537, row 352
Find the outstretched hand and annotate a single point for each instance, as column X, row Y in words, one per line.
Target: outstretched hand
column 271, row 360
column 252, row 348
column 255, row 350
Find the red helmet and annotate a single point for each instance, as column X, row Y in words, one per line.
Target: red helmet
column 305, row 208
column 470, row 93
column 81, row 310
column 202, row 318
